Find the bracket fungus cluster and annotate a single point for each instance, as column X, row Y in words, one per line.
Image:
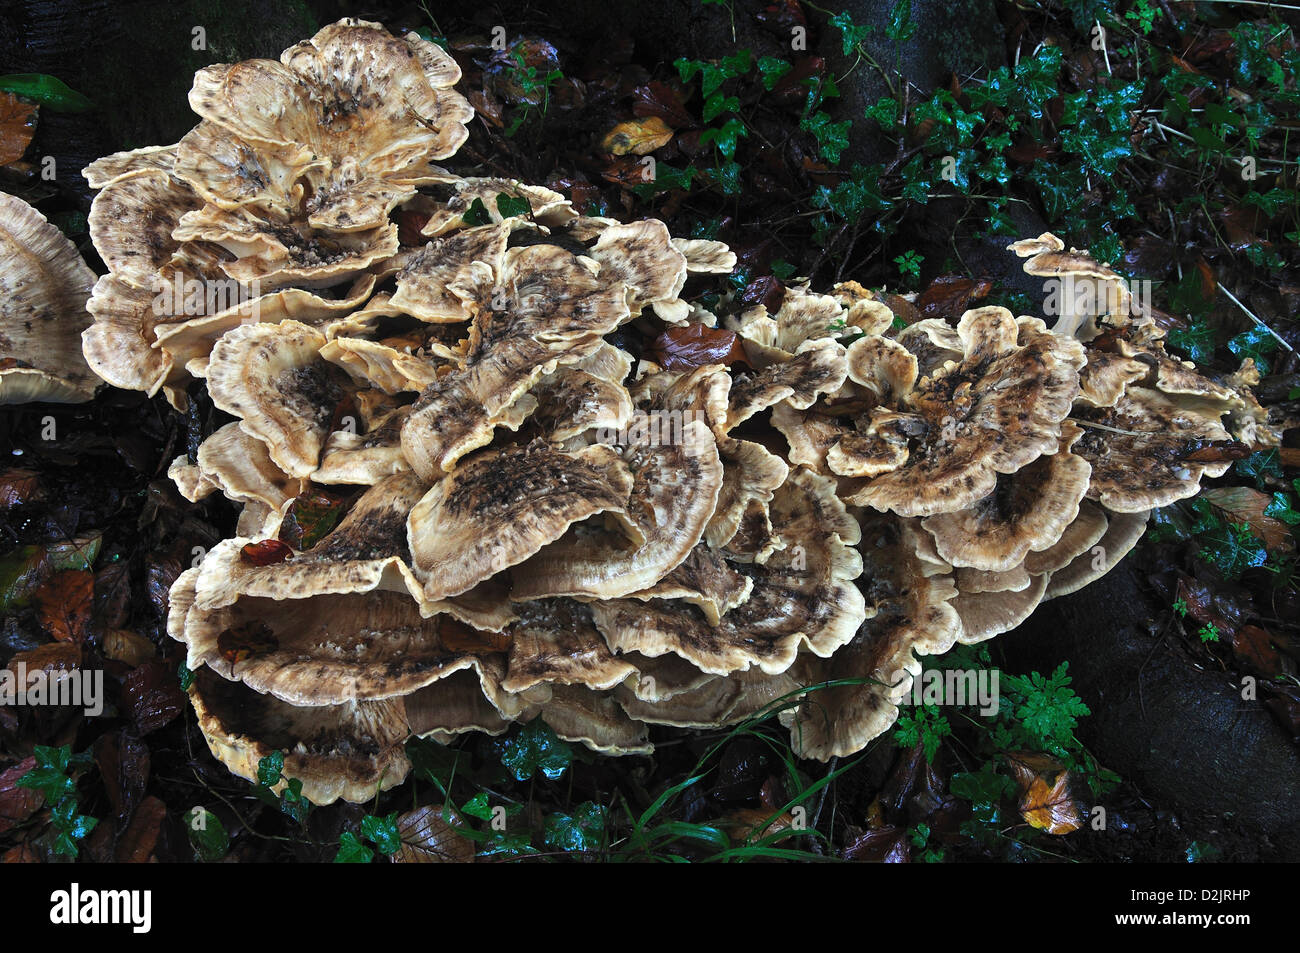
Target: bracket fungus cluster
column 466, row 505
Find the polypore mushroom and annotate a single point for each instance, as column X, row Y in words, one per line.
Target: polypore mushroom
column 350, row 751
column 44, row 285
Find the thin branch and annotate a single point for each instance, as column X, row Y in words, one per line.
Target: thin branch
column 1258, row 322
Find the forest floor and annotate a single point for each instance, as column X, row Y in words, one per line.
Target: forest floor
column 1161, row 136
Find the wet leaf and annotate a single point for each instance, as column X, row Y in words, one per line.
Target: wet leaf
column 532, row 748
column 765, row 291
column 1243, row 504
column 429, row 838
column 486, row 105
column 695, row 345
column 950, row 295
column 23, row 570
column 637, row 137
column 352, row 851
column 270, row 768
column 63, row 604
column 140, row 839
column 584, row 829
column 1051, row 808
column 113, row 595
column 17, row 126
column 268, row 552
column 48, row 91
column 127, row 647
column 309, row 519
column 54, row 657
column 1252, row 646
column 207, row 835
column 19, row 486
column 1209, row 607
column 152, row 696
column 124, row 765
column 661, row 101
column 17, row 803
column 382, row 832
column 886, row 845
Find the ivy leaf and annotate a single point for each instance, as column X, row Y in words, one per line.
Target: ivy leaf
column 727, row 177
column 832, row 137
column 984, row 789
column 738, row 63
column 292, row 802
column 352, row 851
column 851, row 34
column 533, row 748
column 1281, row 509
column 510, row 206
column 48, row 91
column 208, row 836
column 1196, row 340
column 724, row 137
column 716, row 105
column 476, row 214
column 478, row 806
column 885, row 111
column 270, row 768
column 771, row 69
column 382, row 832
column 1260, row 466
column 584, row 829
column 900, row 28
column 1254, row 343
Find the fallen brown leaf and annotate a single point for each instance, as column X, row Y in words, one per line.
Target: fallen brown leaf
column 637, row 137
column 950, row 295
column 429, row 839
column 22, row 854
column 486, row 106
column 54, row 657
column 661, row 101
column 1253, row 647
column 18, row 487
column 17, row 126
column 124, row 765
column 886, row 845
column 152, row 695
column 695, row 345
column 63, row 604
column 1045, row 802
column 1244, row 504
column 746, row 825
column 127, row 647
column 138, row 841
column 17, row 804
column 1051, row 809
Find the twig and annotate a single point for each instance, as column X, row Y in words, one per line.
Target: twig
column 1258, row 322
column 821, row 801
column 1127, row 433
column 1105, row 53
